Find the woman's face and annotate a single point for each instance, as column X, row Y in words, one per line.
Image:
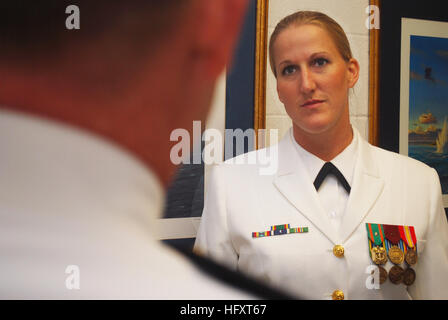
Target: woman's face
column 313, row 79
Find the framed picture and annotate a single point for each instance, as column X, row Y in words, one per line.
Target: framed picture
column 410, row 102
column 261, row 56
column 424, row 95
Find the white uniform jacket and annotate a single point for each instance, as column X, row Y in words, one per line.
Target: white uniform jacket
column 387, row 188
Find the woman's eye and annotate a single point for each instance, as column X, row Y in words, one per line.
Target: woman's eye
column 320, row 62
column 288, row 70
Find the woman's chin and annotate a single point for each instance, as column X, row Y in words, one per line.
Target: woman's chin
column 314, row 128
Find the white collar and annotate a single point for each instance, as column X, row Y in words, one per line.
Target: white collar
column 344, row 161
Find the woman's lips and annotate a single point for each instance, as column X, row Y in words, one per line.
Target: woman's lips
column 312, row 103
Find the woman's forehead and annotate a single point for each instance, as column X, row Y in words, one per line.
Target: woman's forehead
column 306, row 39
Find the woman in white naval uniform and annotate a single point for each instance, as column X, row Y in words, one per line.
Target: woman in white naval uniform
column 312, row 61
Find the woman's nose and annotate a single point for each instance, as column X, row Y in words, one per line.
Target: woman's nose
column 307, row 83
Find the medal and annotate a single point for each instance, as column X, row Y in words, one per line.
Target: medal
column 383, row 274
column 407, row 235
column 399, row 243
column 396, row 274
column 409, row 276
column 396, row 256
column 392, row 235
column 376, row 243
column 378, row 255
column 411, row 257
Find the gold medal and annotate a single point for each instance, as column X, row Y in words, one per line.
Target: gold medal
column 396, row 256
column 411, row 257
column 379, row 255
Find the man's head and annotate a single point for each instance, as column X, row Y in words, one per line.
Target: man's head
column 133, row 72
column 41, row 26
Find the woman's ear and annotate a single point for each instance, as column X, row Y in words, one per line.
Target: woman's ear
column 352, row 72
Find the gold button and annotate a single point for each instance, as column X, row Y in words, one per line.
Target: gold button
column 338, row 295
column 338, row 251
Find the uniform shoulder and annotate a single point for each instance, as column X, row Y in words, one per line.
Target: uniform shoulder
column 242, row 158
column 393, row 159
column 262, row 162
column 254, row 157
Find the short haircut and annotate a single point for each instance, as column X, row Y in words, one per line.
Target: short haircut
column 32, row 29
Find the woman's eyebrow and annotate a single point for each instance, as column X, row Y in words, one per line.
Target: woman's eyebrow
column 317, row 54
column 285, row 62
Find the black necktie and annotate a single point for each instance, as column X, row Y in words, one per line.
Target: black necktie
column 327, row 169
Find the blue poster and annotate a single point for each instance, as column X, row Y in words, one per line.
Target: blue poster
column 428, row 104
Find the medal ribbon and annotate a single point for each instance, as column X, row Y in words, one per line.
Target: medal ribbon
column 410, row 236
column 392, row 233
column 407, row 234
column 376, row 233
column 369, row 231
column 370, row 249
column 388, row 245
column 403, row 247
column 279, row 230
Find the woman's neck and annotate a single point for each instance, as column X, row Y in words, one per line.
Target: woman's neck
column 327, row 145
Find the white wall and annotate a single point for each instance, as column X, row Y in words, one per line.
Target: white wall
column 350, row 14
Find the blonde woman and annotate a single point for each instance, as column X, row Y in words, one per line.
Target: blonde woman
column 336, row 207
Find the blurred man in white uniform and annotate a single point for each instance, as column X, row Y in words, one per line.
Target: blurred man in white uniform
column 85, row 120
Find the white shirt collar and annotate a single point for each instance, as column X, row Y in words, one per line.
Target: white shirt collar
column 344, row 161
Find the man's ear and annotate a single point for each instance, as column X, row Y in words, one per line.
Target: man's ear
column 219, row 23
column 353, row 72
